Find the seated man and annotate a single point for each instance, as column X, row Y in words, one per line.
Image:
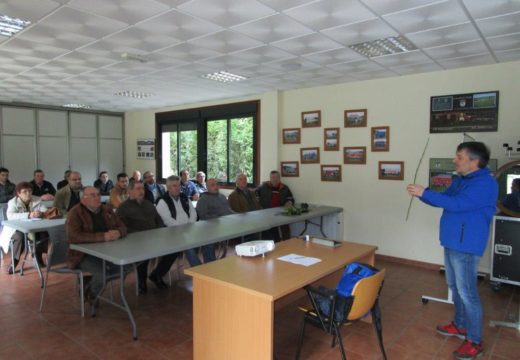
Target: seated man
column 243, row 199
column 152, row 191
column 24, row 206
column 273, row 193
column 512, row 200
column 175, row 209
column 68, row 196
column 41, row 187
column 187, row 187
column 103, row 184
column 65, row 180
column 90, row 222
column 7, row 188
column 119, row 193
column 139, row 214
column 212, row 205
column 136, row 175
column 200, row 182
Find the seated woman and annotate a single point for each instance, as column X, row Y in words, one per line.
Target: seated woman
column 25, row 206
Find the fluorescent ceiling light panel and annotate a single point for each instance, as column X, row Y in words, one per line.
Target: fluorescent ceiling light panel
column 224, row 76
column 380, row 47
column 77, row 106
column 10, row 26
column 134, row 94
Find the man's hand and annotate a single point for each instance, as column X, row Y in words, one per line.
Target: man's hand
column 415, row 190
column 35, row 214
column 112, row 235
column 195, row 197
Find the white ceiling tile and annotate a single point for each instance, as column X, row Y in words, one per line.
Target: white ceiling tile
column 307, row 44
column 273, row 28
column 486, row 8
column 330, row 13
column 143, row 40
column 226, row 12
column 173, row 3
column 260, row 71
column 285, row 4
column 360, row 32
column 334, row 56
column 128, row 11
column 53, row 37
column 457, row 50
column 500, row 25
column 227, row 62
column 263, row 54
column 356, row 66
column 29, row 48
column 428, row 17
column 444, row 36
column 416, row 68
column 383, row 7
column 32, row 10
column 293, row 65
column 373, row 74
column 506, row 42
column 408, row 58
column 467, row 61
column 189, row 52
column 226, row 41
column 178, row 25
column 510, row 55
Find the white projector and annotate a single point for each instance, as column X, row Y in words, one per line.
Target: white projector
column 254, row 248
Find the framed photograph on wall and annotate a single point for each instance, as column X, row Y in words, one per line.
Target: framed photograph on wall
column 356, row 118
column 311, row 118
column 290, row 168
column 331, row 139
column 391, row 170
column 355, row 155
column 330, row 172
column 310, row 155
column 291, row 136
column 380, row 138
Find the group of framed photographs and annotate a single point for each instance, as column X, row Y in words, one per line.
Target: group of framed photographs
column 355, row 155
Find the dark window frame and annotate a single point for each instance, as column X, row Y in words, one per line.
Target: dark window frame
column 200, row 117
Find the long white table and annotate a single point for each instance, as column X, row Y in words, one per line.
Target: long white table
column 149, row 244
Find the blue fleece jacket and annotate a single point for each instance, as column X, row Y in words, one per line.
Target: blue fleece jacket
column 469, row 205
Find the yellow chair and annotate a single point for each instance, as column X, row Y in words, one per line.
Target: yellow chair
column 364, row 299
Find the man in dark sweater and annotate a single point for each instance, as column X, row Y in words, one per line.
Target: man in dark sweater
column 41, row 187
column 139, row 214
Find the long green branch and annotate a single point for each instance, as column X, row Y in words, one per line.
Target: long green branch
column 415, row 177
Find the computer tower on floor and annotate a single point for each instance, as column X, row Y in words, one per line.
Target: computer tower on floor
column 505, row 258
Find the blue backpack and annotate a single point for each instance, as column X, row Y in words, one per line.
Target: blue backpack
column 353, row 273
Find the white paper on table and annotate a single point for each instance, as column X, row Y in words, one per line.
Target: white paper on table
column 300, row 259
column 31, row 219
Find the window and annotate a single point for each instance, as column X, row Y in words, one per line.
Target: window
column 221, row 141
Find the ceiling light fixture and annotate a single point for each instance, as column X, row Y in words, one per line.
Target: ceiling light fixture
column 224, row 76
column 380, row 47
column 77, row 106
column 10, row 26
column 133, row 57
column 134, row 94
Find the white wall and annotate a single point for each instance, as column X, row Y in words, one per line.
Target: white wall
column 374, row 210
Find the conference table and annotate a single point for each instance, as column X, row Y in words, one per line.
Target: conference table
column 144, row 245
column 234, row 299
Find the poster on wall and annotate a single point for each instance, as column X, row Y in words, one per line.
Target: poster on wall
column 475, row 112
column 146, row 149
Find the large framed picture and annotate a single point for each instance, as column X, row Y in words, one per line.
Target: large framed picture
column 331, row 139
column 391, row 170
column 311, row 118
column 330, row 172
column 310, row 155
column 355, row 155
column 290, row 168
column 380, row 138
column 356, row 118
column 291, row 136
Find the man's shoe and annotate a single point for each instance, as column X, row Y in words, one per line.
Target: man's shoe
column 10, row 270
column 468, row 350
column 142, row 289
column 86, row 287
column 452, row 330
column 157, row 281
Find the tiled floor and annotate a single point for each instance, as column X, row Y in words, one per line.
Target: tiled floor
column 165, row 328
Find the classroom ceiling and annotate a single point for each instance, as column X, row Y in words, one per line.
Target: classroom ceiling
column 73, row 51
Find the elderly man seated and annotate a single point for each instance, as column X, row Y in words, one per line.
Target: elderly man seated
column 67, row 197
column 91, row 222
column 243, row 199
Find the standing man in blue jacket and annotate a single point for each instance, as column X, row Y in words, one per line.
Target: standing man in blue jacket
column 469, row 205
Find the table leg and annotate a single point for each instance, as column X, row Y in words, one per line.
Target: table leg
column 320, row 225
column 125, row 303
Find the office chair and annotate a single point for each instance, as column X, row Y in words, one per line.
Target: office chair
column 56, row 263
column 364, row 299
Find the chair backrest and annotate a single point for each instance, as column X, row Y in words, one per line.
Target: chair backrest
column 366, row 292
column 59, row 247
column 3, row 212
